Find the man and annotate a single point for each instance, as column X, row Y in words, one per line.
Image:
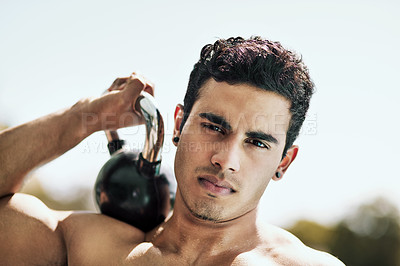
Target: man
column 245, row 103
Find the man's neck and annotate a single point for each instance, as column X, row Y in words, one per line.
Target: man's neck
column 185, row 234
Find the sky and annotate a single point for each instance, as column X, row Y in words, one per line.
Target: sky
column 53, row 53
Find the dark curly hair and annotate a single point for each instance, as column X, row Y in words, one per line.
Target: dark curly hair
column 258, row 62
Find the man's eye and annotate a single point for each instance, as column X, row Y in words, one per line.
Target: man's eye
column 258, row 143
column 213, row 128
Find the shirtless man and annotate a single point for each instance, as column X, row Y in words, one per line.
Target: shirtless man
column 245, row 103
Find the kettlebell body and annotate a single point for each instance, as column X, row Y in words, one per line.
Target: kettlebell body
column 135, row 187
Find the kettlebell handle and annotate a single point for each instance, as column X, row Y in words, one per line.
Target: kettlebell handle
column 146, row 105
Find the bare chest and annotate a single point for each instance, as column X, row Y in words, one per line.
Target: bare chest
column 97, row 246
column 147, row 254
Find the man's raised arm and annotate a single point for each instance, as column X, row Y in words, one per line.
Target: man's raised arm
column 32, row 144
column 24, row 147
column 31, row 233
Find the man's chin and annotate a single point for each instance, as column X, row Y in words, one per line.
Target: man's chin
column 206, row 212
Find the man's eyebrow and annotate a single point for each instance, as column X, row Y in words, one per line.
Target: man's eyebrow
column 217, row 119
column 262, row 135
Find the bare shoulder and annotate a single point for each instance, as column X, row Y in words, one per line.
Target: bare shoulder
column 29, row 232
column 80, row 225
column 96, row 239
column 33, row 234
column 287, row 249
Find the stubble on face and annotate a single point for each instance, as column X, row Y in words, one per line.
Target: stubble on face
column 207, row 212
column 205, row 209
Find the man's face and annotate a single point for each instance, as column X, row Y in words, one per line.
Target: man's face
column 229, row 149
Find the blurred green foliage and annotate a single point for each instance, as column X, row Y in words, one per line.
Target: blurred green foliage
column 370, row 236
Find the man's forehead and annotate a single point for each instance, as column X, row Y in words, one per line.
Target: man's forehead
column 245, row 106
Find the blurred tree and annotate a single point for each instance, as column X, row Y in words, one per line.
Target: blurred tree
column 369, row 236
column 313, row 234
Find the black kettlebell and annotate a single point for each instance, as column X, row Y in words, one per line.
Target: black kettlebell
column 134, row 187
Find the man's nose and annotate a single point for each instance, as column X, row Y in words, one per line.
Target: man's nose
column 226, row 156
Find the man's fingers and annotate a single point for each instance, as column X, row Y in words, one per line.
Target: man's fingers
column 149, row 89
column 118, row 84
column 149, row 86
column 121, row 99
column 135, row 82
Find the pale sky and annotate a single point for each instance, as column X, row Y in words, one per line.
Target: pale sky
column 53, row 53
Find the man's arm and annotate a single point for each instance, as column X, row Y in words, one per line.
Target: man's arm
column 27, row 146
column 32, row 144
column 31, row 233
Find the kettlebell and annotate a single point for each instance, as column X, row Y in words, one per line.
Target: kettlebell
column 132, row 186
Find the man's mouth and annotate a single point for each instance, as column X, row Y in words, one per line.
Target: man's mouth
column 215, row 186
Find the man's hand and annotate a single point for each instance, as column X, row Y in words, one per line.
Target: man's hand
column 116, row 108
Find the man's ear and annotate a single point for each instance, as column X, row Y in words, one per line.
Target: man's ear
column 285, row 163
column 178, row 117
